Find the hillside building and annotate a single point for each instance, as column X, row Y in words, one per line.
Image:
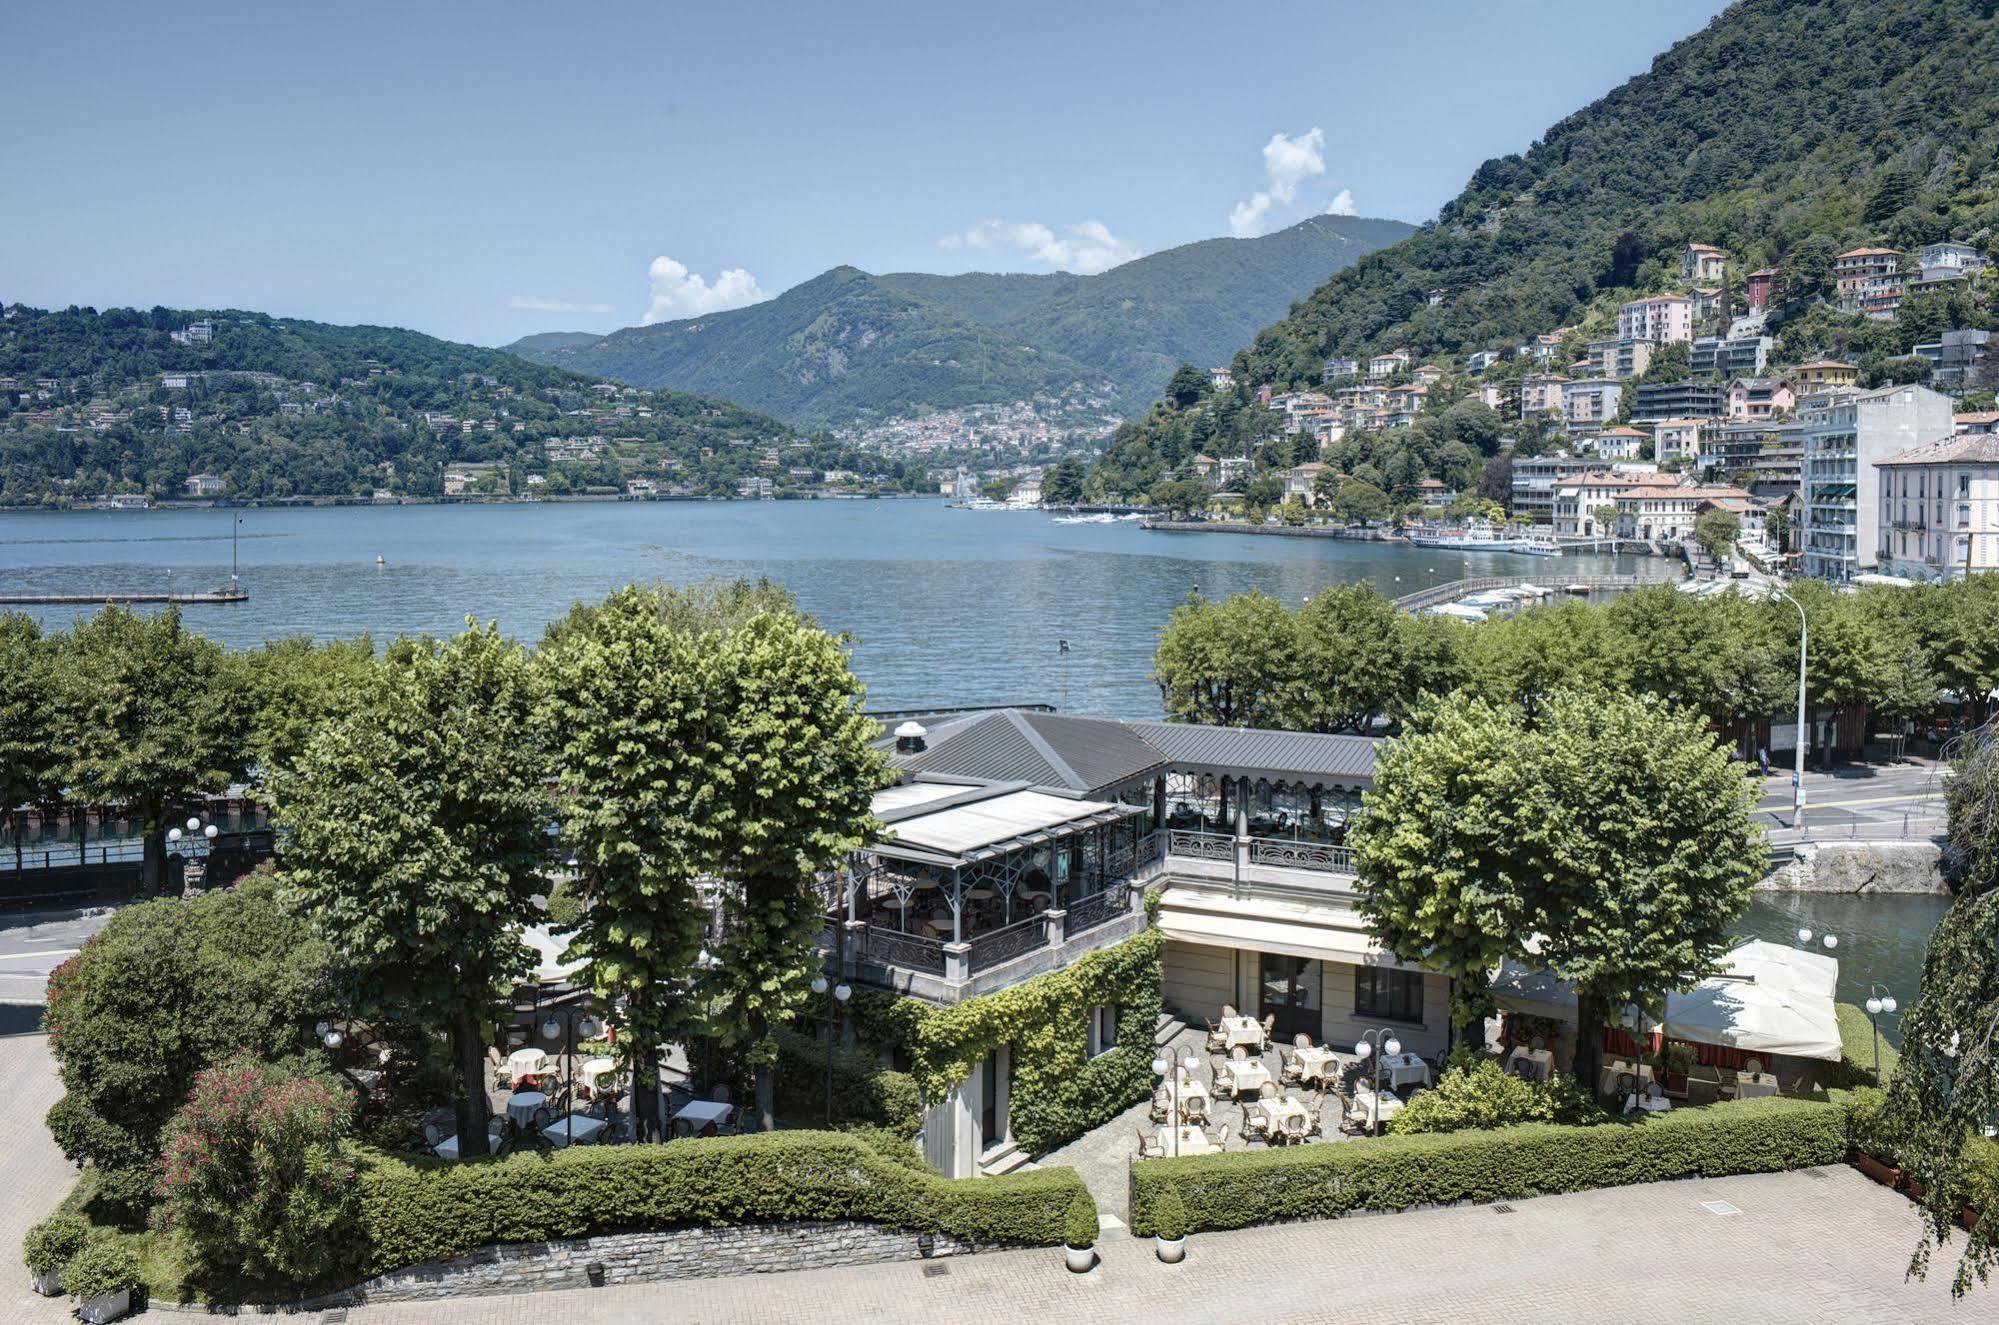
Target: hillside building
column 1664, row 318
column 1847, row 434
column 1939, row 514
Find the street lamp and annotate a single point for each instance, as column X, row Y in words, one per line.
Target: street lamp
column 1879, row 1000
column 1798, row 773
column 1831, row 941
column 567, row 1024
column 841, row 993
column 1162, row 1067
column 196, row 834
column 1364, row 1050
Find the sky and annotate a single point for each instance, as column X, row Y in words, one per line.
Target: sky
column 484, row 171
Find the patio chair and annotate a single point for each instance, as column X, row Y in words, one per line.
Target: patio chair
column 1239, row 1054
column 1222, row 1137
column 1289, row 1068
column 1194, row 1109
column 1315, row 1108
column 1228, row 1010
column 1269, row 1028
column 727, row 1124
column 1753, row 1066
column 1301, row 1041
column 1218, row 1039
column 1223, row 1085
column 433, row 1135
column 1255, row 1126
column 1294, row 1129
column 1267, row 1091
column 1162, row 1104
column 1149, row 1147
column 720, row 1094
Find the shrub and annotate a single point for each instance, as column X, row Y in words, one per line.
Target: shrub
column 419, row 1210
column 1169, row 1214
column 1483, row 1094
column 1395, row 1172
column 166, row 989
column 1856, row 1038
column 565, row 906
column 105, row 1266
column 50, row 1244
column 1079, row 1225
column 257, row 1181
column 864, row 1091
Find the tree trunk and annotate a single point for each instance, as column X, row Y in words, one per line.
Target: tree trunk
column 1588, row 1067
column 472, row 1113
column 646, row 1122
column 153, row 871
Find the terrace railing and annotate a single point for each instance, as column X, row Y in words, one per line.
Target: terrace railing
column 1003, row 945
column 1200, row 846
column 912, row 952
column 1096, row 909
column 1301, row 855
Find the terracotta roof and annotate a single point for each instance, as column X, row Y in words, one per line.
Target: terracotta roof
column 1977, row 448
column 1869, row 253
column 1980, row 416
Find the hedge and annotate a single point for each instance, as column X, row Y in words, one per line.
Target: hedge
column 413, row 1211
column 864, row 1091
column 1396, row 1172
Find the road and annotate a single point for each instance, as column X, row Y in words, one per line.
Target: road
column 32, row 945
column 1879, row 801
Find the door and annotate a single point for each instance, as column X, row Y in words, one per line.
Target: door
column 1290, row 988
column 994, row 1088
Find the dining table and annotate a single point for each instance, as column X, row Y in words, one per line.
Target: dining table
column 1245, row 1031
column 1245, row 1076
column 1541, row 1062
column 1404, row 1069
column 1193, row 1141
column 528, row 1062
column 1279, row 1110
column 574, row 1129
column 700, row 1115
column 521, row 1106
column 1192, row 1089
column 595, row 1070
column 1368, row 1106
column 1617, row 1067
column 1316, row 1063
column 1751, row 1086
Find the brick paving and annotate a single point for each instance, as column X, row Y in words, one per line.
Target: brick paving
column 1819, row 1245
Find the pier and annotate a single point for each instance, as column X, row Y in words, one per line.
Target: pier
column 1556, row 582
column 177, row 599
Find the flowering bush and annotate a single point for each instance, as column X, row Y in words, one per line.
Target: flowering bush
column 1482, row 1094
column 257, row 1179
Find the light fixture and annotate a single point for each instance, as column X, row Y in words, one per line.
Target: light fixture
column 209, row 832
column 1888, row 1003
column 818, row 984
column 1190, row 1062
column 1875, row 1007
column 1159, row 1067
column 588, row 1028
column 333, row 1038
column 194, row 825
column 1831, row 942
column 1804, row 936
column 1394, row 1046
column 1950, row 1050
column 1630, row 1015
column 173, row 834
column 1363, row 1049
column 551, row 1029
column 321, row 1029
column 842, row 992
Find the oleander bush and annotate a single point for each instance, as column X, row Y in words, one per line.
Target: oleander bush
column 418, row 1210
column 1396, row 1172
column 51, row 1244
column 1483, row 1094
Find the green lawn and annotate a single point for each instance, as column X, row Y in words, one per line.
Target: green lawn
column 1857, row 1035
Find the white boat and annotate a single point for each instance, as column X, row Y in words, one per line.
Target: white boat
column 1099, row 518
column 983, row 504
column 1456, row 611
column 1535, row 547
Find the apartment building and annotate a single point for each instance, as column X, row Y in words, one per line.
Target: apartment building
column 1619, row 358
column 1724, row 356
column 1868, row 280
column 1939, row 514
column 1536, row 479
column 1847, row 434
column 1679, row 400
column 1663, row 318
column 1590, row 406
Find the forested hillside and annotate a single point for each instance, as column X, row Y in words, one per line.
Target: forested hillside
column 1783, row 124
column 123, row 400
column 847, row 346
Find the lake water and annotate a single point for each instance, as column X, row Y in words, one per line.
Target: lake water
column 946, row 606
column 1881, row 939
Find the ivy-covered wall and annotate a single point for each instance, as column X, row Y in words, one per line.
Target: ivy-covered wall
column 1058, row 1092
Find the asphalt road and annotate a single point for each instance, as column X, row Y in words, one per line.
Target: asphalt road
column 1899, row 800
column 32, row 945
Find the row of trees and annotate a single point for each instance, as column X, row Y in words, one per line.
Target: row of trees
column 1347, row 659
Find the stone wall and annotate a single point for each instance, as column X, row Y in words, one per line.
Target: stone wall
column 1861, row 867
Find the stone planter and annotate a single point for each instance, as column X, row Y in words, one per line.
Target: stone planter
column 107, row 1307
column 1080, row 1260
column 1172, row 1250
column 48, row 1285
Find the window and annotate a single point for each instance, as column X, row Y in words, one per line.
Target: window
column 1964, row 485
column 1390, row 995
column 1964, row 517
column 1103, row 1028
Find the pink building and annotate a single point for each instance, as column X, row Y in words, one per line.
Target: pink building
column 1665, row 318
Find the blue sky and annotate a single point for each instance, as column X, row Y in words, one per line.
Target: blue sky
column 484, row 171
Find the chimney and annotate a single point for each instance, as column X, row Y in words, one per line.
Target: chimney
column 909, row 738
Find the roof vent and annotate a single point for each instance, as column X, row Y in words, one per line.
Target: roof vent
column 909, row 738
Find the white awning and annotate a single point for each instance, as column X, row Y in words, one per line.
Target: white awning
column 1000, row 820
column 548, row 949
column 1320, row 931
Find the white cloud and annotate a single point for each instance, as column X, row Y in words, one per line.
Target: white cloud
column 1086, row 248
column 535, row 305
column 1342, row 204
column 1287, row 163
column 678, row 292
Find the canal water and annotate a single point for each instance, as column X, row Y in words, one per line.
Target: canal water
column 1881, row 939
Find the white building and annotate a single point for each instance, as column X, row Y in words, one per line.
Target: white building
column 1589, row 406
column 1939, row 516
column 1664, row 318
column 1846, row 435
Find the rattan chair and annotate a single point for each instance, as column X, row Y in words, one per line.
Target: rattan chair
column 1162, row 1104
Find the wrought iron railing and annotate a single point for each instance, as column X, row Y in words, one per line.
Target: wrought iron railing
column 1150, row 848
column 1301, row 855
column 1200, row 846
column 1003, row 945
column 1098, row 908
column 912, row 952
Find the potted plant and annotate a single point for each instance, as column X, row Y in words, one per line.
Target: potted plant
column 48, row 1248
column 1675, row 1063
column 101, row 1277
column 1079, row 1233
column 1169, row 1225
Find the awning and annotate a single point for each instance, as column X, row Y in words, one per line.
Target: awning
column 999, row 822
column 1319, row 931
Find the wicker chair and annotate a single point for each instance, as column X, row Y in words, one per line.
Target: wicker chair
column 1290, row 1069
column 1149, row 1147
column 1269, row 1028
column 1239, row 1054
column 1218, row 1039
column 1228, row 1010
column 1162, row 1103
column 1194, row 1109
column 1255, row 1125
column 1294, row 1129
column 1267, row 1091
column 1222, row 1137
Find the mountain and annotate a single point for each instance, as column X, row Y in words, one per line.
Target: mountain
column 124, row 400
column 850, row 346
column 842, row 347
column 550, row 340
column 1785, row 127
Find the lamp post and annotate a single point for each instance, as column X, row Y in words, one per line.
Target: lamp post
column 1798, row 773
column 1628, row 1018
column 1831, row 941
column 1163, row 1067
column 1879, row 1000
column 841, row 993
column 195, row 834
column 565, row 1024
column 1364, row 1050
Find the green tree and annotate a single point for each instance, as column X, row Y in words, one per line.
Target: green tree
column 1349, row 659
column 1777, row 529
column 1671, row 362
column 416, row 837
column 1525, row 658
column 166, row 989
column 297, row 686
column 1894, row 189
column 1716, row 530
column 153, row 716
column 32, row 753
column 1361, row 502
column 1608, row 841
column 1230, row 663
column 1180, row 498
column 1062, row 484
column 1264, row 491
column 1187, row 386
column 786, row 783
column 1481, row 1094
column 1806, row 276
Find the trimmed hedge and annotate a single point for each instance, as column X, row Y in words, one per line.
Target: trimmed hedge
column 1396, row 1172
column 413, row 1211
column 864, row 1091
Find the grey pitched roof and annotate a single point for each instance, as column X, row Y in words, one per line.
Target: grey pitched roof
column 1275, row 754
column 1971, row 448
column 1039, row 749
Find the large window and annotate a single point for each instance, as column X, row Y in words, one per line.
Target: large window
column 1389, row 995
column 1103, row 1028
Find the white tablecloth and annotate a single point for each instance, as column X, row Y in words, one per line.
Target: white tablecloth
column 595, row 1068
column 1749, row 1088
column 1647, row 1103
column 522, row 1104
column 1242, row 1030
column 1193, row 1141
column 1363, row 1108
column 1611, row 1069
column 448, row 1148
column 1404, row 1070
column 1275, row 1111
column 1316, row 1064
column 574, row 1127
column 529, row 1062
column 699, row 1113
column 1246, row 1076
column 1191, row 1089
column 1540, row 1061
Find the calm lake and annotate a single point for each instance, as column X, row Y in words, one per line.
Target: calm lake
column 945, row 606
